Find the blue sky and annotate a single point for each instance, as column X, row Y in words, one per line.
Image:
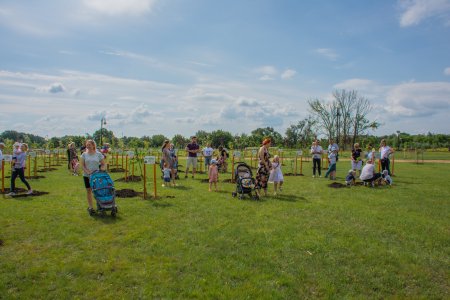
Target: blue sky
column 179, row 66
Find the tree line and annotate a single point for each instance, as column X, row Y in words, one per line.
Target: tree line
column 344, row 118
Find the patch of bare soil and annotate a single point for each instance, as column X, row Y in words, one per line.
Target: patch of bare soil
column 130, row 179
column 337, row 185
column 116, row 170
column 127, row 193
column 204, row 180
column 36, row 177
column 47, row 170
column 35, row 194
column 292, row 174
column 227, row 181
column 1, row 243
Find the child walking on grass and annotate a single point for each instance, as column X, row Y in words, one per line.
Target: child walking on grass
column 276, row 175
column 18, row 162
column 213, row 174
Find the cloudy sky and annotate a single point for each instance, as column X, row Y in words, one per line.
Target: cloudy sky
column 179, row 66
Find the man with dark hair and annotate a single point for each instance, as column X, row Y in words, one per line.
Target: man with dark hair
column 192, row 149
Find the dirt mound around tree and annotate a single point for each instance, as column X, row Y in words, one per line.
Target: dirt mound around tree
column 129, row 179
column 127, row 193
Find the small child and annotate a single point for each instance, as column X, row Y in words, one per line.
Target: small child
column 332, row 167
column 213, row 174
column 166, row 175
column 350, row 179
column 276, row 175
column 386, row 178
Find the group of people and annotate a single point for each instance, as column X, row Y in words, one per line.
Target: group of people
column 367, row 173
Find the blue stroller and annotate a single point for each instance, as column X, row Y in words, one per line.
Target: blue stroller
column 104, row 192
column 245, row 183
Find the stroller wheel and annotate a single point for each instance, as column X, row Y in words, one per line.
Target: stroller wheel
column 234, row 194
column 241, row 197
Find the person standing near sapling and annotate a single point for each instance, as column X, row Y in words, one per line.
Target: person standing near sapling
column 192, row 149
column 18, row 162
column 385, row 151
column 332, row 167
column 207, row 154
column 264, row 167
column 167, row 171
column 213, row 174
column 168, row 162
column 276, row 175
column 331, row 145
column 91, row 161
column 316, row 151
column 223, row 157
column 356, row 158
column 2, row 146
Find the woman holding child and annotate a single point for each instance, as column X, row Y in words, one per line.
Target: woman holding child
column 264, row 167
column 168, row 159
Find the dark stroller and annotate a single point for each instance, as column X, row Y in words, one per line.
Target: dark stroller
column 104, row 192
column 245, row 183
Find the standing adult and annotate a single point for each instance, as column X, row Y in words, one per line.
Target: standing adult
column 331, row 144
column 73, row 157
column 92, row 161
column 18, row 162
column 2, row 146
column 168, row 159
column 262, row 174
column 356, row 158
column 385, row 151
column 207, row 154
column 192, row 149
column 223, row 159
column 316, row 151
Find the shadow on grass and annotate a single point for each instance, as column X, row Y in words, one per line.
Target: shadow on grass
column 107, row 218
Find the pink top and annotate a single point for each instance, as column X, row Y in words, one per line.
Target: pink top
column 213, row 173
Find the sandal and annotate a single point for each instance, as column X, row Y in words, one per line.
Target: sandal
column 91, row 211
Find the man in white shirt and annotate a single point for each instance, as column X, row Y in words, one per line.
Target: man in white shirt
column 207, row 153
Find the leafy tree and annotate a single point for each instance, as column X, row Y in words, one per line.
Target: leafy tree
column 302, row 134
column 221, row 138
column 203, row 137
column 180, row 141
column 259, row 134
column 157, row 140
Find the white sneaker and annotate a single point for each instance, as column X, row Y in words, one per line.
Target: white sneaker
column 11, row 194
column 314, row 176
column 30, row 192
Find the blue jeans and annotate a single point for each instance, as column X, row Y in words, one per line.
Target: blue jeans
column 331, row 168
column 18, row 172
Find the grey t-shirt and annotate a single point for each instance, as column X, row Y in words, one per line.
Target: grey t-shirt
column 91, row 161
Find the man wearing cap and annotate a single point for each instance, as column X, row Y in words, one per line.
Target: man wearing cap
column 192, row 149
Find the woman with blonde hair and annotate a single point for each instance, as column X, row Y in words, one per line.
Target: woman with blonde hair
column 91, row 161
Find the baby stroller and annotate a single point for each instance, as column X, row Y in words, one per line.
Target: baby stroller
column 245, row 183
column 104, row 192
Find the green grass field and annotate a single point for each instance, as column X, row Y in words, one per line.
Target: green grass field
column 312, row 241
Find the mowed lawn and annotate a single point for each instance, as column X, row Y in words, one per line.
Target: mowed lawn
column 312, row 241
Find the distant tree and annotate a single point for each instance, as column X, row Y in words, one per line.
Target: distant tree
column 157, row 140
column 259, row 134
column 221, row 138
column 203, row 137
column 180, row 141
column 300, row 135
column 107, row 137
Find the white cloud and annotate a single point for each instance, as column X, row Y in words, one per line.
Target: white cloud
column 120, row 7
column 288, row 74
column 354, row 84
column 419, row 99
column 267, row 72
column 447, row 71
column 416, row 11
column 52, row 88
column 328, row 53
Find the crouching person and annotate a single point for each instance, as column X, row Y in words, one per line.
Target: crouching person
column 368, row 175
